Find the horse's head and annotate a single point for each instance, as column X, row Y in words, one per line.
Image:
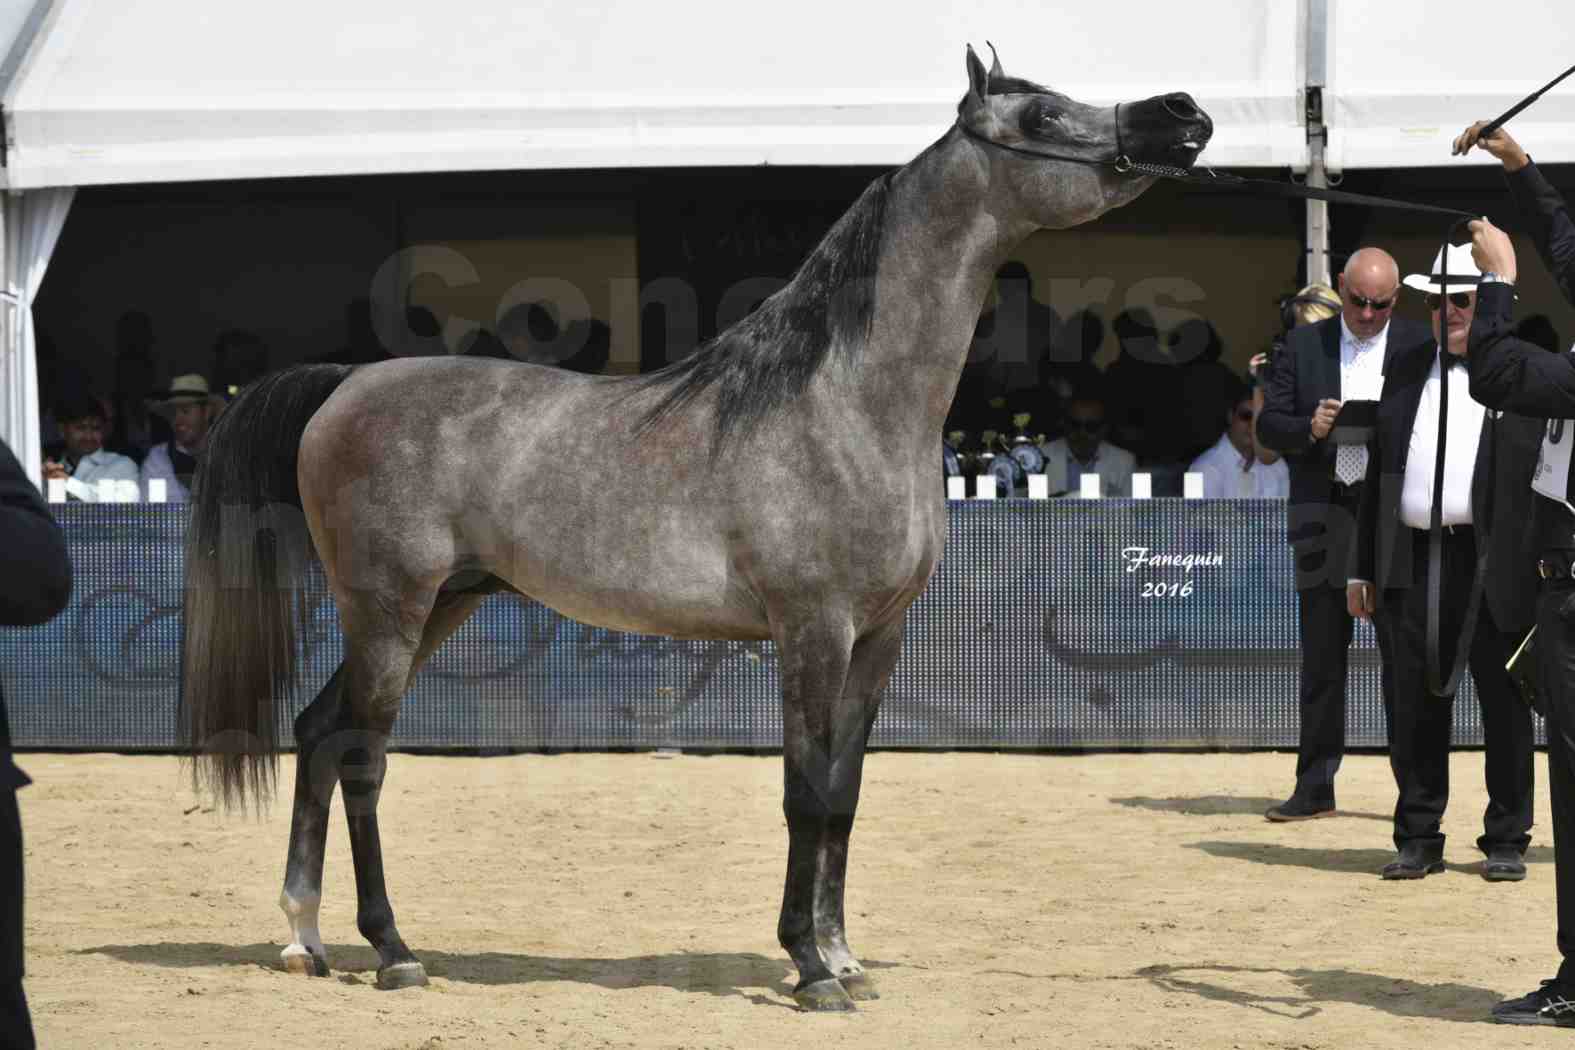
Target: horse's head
column 1060, row 155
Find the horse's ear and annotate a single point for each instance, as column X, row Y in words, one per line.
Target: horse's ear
column 995, row 63
column 978, row 79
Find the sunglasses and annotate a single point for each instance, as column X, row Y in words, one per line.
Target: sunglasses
column 1245, row 415
column 1087, row 426
column 1459, row 300
column 1361, row 302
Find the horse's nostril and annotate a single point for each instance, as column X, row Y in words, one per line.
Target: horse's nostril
column 1181, row 106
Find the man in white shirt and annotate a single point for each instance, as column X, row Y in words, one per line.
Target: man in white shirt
column 191, row 409
column 1390, row 573
column 1085, row 451
column 1232, row 469
column 82, row 463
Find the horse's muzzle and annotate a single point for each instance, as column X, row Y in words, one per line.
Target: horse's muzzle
column 1166, row 129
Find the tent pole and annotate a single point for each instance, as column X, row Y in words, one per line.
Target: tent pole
column 1317, row 140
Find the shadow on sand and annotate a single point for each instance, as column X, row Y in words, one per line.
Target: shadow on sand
column 1314, row 989
column 1393, row 995
column 721, row 974
column 1224, row 806
column 1347, row 861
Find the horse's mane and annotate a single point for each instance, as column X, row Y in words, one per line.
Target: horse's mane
column 1016, row 86
column 769, row 357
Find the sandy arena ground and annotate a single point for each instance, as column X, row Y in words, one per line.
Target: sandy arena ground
column 631, row 901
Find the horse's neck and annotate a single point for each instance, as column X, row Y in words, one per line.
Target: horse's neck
column 941, row 248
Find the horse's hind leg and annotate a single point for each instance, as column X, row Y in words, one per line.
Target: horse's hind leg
column 873, row 658
column 316, row 772
column 383, row 628
column 386, row 660
column 816, row 732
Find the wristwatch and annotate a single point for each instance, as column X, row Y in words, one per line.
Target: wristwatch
column 1495, row 278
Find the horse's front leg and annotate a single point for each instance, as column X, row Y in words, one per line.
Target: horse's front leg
column 874, row 657
column 817, row 728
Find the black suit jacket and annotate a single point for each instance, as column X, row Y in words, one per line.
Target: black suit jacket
column 1304, row 373
column 36, row 571
column 1500, row 494
column 1503, row 510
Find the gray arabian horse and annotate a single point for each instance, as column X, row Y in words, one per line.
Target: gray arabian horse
column 727, row 511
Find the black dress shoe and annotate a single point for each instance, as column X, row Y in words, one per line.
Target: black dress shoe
column 1550, row 1005
column 1504, row 864
column 1414, row 862
column 1294, row 808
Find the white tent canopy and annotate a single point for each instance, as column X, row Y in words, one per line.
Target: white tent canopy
column 1407, row 75
column 159, row 91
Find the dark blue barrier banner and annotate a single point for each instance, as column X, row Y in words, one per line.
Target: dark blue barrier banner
column 1049, row 624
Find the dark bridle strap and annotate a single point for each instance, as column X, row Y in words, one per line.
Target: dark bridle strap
column 1125, row 165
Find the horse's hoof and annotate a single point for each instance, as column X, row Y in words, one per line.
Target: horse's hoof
column 402, row 975
column 859, row 986
column 304, row 962
column 828, row 995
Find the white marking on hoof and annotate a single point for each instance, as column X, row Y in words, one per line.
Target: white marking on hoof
column 299, row 960
column 305, row 952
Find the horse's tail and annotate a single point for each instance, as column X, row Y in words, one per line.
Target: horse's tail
column 246, row 549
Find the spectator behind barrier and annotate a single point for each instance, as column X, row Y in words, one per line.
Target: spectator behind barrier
column 37, row 574
column 81, row 461
column 1231, row 469
column 191, row 409
column 1085, row 451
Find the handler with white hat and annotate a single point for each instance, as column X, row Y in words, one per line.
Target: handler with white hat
column 191, row 408
column 1395, row 566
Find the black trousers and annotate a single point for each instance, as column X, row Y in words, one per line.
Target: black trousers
column 1420, row 723
column 16, row 1027
column 1324, row 628
column 1556, row 680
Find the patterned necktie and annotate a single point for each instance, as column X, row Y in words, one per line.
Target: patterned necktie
column 1350, row 461
column 1350, row 464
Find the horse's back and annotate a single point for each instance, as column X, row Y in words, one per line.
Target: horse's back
column 538, row 476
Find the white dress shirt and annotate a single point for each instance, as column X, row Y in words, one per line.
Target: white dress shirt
column 1113, row 464
column 103, row 465
column 1227, row 474
column 1460, row 454
column 1362, row 364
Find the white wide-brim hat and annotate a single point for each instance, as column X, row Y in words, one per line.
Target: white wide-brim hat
column 1463, row 272
column 186, row 389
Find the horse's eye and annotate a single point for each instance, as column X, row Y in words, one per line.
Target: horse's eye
column 1040, row 118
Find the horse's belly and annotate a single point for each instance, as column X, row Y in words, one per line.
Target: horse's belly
column 681, row 612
